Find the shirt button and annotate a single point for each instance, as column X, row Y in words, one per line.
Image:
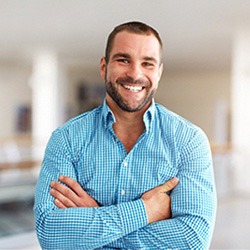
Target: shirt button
column 125, row 164
column 123, row 192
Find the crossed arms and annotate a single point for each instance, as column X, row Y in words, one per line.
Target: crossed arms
column 68, row 218
column 157, row 202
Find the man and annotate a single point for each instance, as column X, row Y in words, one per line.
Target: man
column 108, row 174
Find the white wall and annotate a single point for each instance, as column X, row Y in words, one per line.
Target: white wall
column 14, row 91
column 196, row 96
column 76, row 76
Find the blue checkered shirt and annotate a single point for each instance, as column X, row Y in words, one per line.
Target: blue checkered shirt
column 87, row 150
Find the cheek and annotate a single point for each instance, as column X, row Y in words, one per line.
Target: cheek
column 112, row 75
column 154, row 81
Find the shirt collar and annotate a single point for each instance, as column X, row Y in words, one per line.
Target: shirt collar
column 107, row 114
column 109, row 117
column 148, row 116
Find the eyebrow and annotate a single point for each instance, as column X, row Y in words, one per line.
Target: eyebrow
column 125, row 55
column 149, row 58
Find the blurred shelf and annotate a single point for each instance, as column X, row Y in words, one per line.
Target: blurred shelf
column 17, row 184
column 10, row 193
column 219, row 148
column 24, row 164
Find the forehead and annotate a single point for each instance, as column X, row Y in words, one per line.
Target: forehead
column 136, row 44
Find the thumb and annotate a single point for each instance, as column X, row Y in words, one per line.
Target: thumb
column 169, row 185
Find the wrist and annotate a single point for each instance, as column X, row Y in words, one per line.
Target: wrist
column 148, row 211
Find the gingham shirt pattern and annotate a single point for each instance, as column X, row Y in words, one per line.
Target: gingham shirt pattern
column 87, row 150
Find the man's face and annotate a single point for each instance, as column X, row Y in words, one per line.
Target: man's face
column 133, row 71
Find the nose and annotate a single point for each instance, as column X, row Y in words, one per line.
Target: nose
column 134, row 71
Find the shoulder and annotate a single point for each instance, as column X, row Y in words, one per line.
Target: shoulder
column 77, row 128
column 81, row 122
column 85, row 118
column 177, row 126
column 167, row 116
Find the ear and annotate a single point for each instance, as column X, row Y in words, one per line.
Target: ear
column 103, row 68
column 160, row 71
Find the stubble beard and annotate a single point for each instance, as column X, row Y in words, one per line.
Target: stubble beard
column 112, row 91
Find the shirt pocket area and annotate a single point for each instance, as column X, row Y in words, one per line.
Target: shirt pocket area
column 165, row 172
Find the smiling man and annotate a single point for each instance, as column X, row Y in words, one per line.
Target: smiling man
column 129, row 174
column 132, row 71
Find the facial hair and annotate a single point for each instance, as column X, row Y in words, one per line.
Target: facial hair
column 113, row 92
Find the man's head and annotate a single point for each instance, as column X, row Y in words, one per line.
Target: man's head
column 132, row 66
column 132, row 27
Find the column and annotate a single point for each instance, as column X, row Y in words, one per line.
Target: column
column 241, row 112
column 48, row 104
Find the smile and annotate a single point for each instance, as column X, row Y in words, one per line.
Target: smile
column 133, row 88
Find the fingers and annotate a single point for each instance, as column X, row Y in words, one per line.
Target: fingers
column 169, row 185
column 74, row 185
column 71, row 194
column 63, row 195
column 59, row 204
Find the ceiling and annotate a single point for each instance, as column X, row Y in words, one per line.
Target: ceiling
column 196, row 34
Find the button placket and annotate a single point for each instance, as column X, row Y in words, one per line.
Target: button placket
column 124, row 177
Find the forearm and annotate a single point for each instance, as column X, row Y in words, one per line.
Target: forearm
column 78, row 228
column 193, row 213
column 87, row 228
column 176, row 233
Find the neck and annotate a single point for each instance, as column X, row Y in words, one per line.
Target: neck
column 129, row 125
column 125, row 118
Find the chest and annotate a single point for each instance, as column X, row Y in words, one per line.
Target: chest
column 128, row 137
column 111, row 175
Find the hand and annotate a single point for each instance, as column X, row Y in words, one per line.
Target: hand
column 71, row 196
column 157, row 202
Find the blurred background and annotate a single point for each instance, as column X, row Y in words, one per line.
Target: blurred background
column 49, row 72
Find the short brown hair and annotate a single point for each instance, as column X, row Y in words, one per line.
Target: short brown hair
column 133, row 27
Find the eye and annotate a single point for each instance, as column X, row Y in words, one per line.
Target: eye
column 123, row 60
column 148, row 64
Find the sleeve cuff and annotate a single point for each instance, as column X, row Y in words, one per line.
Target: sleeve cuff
column 133, row 215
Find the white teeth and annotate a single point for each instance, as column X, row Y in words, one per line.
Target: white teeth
column 133, row 88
